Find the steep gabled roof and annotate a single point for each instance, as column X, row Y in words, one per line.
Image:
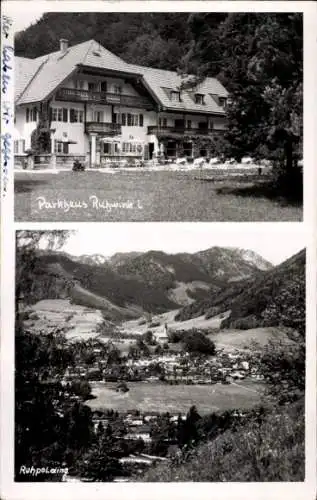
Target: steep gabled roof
column 24, row 70
column 38, row 78
column 161, row 82
column 56, row 67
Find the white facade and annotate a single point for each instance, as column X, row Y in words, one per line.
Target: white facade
column 86, row 129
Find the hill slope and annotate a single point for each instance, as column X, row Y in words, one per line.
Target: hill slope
column 256, row 296
column 151, row 281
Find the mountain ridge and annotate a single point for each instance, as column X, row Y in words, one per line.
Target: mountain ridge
column 153, row 280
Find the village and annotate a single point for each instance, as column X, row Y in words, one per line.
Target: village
column 105, row 363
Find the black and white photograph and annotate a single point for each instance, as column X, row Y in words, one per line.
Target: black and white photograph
column 167, row 360
column 158, row 116
column 158, row 250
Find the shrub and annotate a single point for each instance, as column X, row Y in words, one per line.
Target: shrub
column 245, row 323
column 78, row 167
column 196, row 342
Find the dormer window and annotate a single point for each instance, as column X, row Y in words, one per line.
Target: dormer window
column 175, row 96
column 199, row 99
column 222, row 102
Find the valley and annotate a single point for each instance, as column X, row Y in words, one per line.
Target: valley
column 155, row 348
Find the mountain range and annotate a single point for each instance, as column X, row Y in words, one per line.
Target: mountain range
column 126, row 284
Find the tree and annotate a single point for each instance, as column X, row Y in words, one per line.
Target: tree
column 81, row 388
column 27, row 246
column 259, row 59
column 49, row 428
column 196, row 342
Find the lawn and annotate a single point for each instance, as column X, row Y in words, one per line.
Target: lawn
column 158, row 397
column 145, row 196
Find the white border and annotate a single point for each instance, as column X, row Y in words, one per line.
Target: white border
column 146, row 491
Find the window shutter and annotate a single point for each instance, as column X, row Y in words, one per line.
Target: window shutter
column 65, row 114
column 141, row 120
column 65, row 148
column 27, row 114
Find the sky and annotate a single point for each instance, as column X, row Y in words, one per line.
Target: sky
column 23, row 15
column 274, row 242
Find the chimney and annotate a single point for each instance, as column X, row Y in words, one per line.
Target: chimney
column 63, row 43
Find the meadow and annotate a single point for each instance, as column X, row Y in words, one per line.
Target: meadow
column 158, row 397
column 142, row 195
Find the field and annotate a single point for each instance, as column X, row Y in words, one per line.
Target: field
column 146, row 196
column 177, row 398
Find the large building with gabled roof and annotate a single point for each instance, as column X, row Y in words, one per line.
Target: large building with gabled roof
column 83, row 102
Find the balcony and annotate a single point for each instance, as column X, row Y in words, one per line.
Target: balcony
column 76, row 95
column 178, row 132
column 108, row 129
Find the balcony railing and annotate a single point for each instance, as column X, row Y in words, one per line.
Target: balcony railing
column 179, row 131
column 76, row 95
column 103, row 128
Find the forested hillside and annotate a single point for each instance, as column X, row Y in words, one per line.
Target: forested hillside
column 140, row 279
column 270, row 298
column 151, row 39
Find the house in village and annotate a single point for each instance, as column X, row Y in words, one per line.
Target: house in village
column 83, row 102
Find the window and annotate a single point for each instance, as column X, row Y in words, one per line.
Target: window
column 103, row 86
column 61, row 147
column 132, row 120
column 203, row 125
column 31, row 114
column 163, row 122
column 175, row 96
column 98, row 116
column 79, row 84
column 59, row 114
column 199, row 99
column 106, row 148
column 93, row 86
column 189, row 124
column 117, row 89
column 19, row 146
column 76, row 116
column 65, row 115
column 222, row 102
column 180, row 124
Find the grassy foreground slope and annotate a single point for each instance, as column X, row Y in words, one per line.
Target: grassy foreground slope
column 271, row 450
